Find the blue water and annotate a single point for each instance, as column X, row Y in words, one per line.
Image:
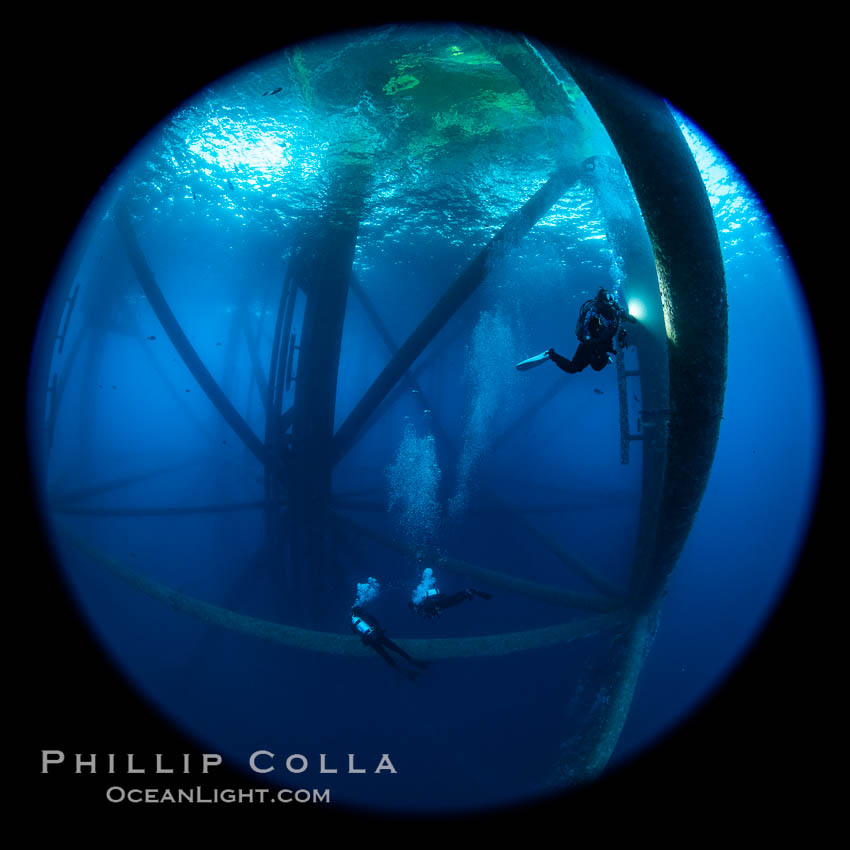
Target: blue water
column 219, row 195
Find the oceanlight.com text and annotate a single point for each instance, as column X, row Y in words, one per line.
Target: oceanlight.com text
column 118, row 794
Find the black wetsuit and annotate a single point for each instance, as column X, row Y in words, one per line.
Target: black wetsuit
column 597, row 329
column 434, row 605
column 375, row 638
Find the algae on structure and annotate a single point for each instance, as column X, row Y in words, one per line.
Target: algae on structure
column 402, row 82
column 302, row 75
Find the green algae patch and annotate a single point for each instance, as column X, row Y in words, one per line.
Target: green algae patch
column 402, row 82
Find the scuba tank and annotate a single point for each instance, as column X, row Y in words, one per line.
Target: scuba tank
column 361, row 626
column 591, row 318
column 581, row 323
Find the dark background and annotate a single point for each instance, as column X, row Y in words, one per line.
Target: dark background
column 83, row 92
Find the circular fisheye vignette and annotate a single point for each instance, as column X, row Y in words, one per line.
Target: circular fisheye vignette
column 235, row 161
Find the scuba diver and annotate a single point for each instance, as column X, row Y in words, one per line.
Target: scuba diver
column 367, row 628
column 599, row 327
column 428, row 602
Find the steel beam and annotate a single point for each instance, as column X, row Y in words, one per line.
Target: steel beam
column 184, row 348
column 517, row 225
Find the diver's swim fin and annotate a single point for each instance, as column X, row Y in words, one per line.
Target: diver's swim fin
column 532, row 362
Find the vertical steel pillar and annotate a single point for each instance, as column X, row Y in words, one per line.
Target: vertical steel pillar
column 317, row 574
column 692, row 283
column 680, row 224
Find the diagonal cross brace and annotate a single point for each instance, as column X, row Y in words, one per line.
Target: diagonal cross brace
column 185, row 349
column 466, row 283
column 389, row 342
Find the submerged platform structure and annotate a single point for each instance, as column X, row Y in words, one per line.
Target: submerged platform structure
column 681, row 348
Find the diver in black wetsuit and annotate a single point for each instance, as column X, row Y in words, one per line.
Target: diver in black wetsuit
column 367, row 628
column 598, row 328
column 434, row 603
